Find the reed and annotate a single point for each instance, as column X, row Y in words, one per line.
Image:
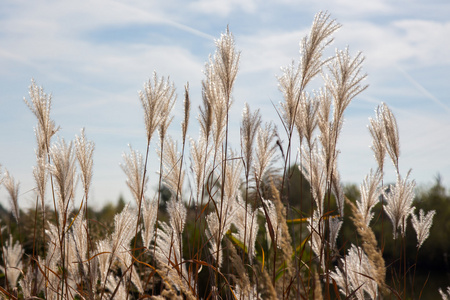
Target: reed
column 227, row 230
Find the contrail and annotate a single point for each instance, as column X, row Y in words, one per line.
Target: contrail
column 152, row 18
column 424, row 90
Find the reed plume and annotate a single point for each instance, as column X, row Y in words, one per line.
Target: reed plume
column 173, row 175
column 370, row 247
column 422, row 225
column 398, row 205
column 314, row 170
column 370, row 196
column 226, row 63
column 40, row 105
column 249, row 127
column 149, row 213
column 63, row 170
column 376, row 129
column 169, row 245
column 13, row 190
column 391, row 135
column 265, row 151
column 134, row 169
column 187, row 109
column 157, row 99
column 307, row 121
column 200, row 164
column 84, row 152
column 356, row 277
column 12, row 256
column 40, row 174
column 247, row 226
column 445, row 294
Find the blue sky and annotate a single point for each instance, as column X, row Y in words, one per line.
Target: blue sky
column 94, row 56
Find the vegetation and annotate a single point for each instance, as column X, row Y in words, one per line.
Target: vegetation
column 234, row 225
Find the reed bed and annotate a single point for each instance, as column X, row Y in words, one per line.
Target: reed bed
column 228, row 229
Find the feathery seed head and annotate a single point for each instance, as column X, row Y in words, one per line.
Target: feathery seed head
column 187, row 109
column 316, row 228
column 134, row 169
column 177, row 212
column 205, row 117
column 104, row 257
column 307, row 121
column 328, row 134
column 173, row 175
column 273, row 217
column 84, row 152
column 314, row 169
column 40, row 174
column 445, row 295
column 391, row 135
column 370, row 193
column 294, row 80
column 247, row 226
column 357, row 275
column 157, row 100
column 376, row 129
column 124, row 225
column 215, row 236
column 40, row 104
column 265, row 150
column 63, row 170
column 399, row 203
column 199, row 163
column 422, row 225
column 13, row 260
column 13, row 190
column 289, row 85
column 226, row 62
column 337, row 190
column 312, row 46
column 249, row 126
column 344, row 84
column 149, row 214
column 335, row 227
column 232, row 179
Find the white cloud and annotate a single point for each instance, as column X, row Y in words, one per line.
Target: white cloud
column 222, row 8
column 410, row 43
column 268, row 51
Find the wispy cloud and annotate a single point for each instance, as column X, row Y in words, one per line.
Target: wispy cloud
column 222, row 8
column 424, row 91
